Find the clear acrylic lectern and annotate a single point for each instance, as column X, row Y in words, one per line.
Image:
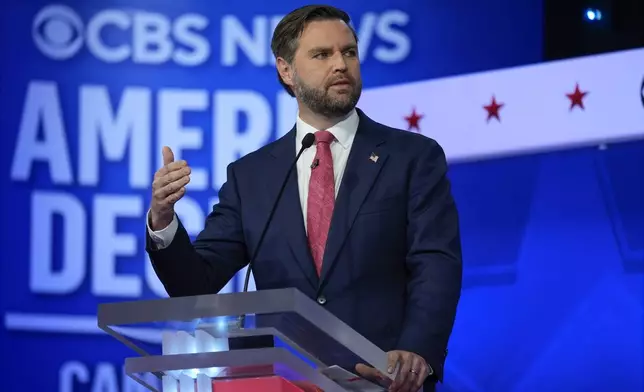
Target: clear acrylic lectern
column 184, row 343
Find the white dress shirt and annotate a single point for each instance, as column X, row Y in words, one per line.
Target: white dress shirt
column 344, row 133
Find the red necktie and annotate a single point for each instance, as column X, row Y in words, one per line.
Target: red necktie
column 321, row 197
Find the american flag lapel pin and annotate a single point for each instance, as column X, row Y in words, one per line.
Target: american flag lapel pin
column 373, row 157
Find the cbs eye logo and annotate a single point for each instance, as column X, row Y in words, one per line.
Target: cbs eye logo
column 58, row 32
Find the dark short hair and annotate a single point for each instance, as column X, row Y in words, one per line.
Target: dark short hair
column 285, row 37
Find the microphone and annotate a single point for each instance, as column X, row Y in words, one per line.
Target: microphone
column 307, row 142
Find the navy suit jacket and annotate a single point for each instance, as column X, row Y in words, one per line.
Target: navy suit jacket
column 392, row 266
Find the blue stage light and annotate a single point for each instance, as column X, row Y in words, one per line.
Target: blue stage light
column 593, row 14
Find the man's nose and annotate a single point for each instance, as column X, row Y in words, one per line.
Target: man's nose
column 339, row 62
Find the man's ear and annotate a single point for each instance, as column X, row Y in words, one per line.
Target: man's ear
column 285, row 70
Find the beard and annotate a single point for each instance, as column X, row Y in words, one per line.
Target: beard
column 326, row 103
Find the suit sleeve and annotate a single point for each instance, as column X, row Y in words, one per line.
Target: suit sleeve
column 217, row 254
column 434, row 261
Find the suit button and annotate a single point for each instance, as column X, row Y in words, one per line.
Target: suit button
column 321, row 300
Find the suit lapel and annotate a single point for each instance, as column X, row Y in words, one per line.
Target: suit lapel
column 366, row 159
column 289, row 212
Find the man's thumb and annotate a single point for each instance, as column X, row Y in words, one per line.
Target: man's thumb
column 368, row 372
column 168, row 156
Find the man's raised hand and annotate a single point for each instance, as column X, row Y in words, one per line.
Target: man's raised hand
column 168, row 187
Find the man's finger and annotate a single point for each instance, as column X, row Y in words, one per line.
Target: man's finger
column 417, row 376
column 168, row 155
column 175, row 196
column 176, row 165
column 393, row 357
column 420, row 378
column 368, row 372
column 404, row 374
column 165, row 201
column 173, row 187
column 173, row 176
column 363, row 369
column 172, row 166
column 161, row 181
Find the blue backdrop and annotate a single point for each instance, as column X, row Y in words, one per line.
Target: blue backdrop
column 553, row 243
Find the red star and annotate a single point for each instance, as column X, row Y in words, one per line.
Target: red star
column 577, row 98
column 413, row 119
column 493, row 109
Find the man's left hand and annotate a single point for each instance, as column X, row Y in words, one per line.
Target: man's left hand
column 413, row 371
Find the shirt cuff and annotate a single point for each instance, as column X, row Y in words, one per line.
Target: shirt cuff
column 163, row 238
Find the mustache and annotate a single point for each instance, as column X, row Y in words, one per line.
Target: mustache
column 345, row 78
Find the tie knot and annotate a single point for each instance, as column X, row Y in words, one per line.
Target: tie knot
column 323, row 137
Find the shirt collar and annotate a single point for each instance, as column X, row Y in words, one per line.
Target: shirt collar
column 344, row 131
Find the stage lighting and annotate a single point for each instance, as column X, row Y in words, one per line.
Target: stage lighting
column 593, row 14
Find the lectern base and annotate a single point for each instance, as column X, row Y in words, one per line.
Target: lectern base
column 264, row 384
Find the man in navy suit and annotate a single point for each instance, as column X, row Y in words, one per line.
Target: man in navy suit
column 367, row 225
